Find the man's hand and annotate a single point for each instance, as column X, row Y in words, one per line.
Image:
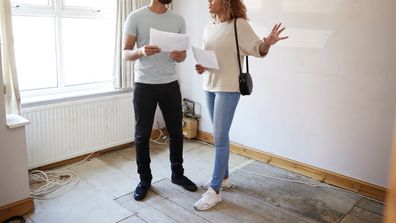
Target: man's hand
column 148, row 50
column 178, row 56
column 199, row 68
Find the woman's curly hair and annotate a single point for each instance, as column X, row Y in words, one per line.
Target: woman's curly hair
column 234, row 9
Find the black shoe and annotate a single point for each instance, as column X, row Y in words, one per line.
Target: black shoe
column 185, row 183
column 141, row 190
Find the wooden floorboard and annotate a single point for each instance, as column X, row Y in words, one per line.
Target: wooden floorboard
column 107, row 183
column 371, row 205
column 174, row 202
column 246, row 208
column 360, row 215
column 186, row 200
column 257, row 199
column 238, row 206
column 174, row 210
column 132, row 219
column 322, row 204
column 143, row 210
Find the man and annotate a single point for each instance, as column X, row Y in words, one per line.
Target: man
column 155, row 83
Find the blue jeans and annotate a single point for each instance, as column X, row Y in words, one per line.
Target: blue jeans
column 221, row 106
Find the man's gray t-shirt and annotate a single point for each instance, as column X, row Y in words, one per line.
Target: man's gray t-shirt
column 158, row 68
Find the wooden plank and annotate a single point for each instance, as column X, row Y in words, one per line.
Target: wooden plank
column 322, row 204
column 143, row 210
column 371, row 205
column 348, row 183
column 246, row 208
column 186, row 200
column 18, row 208
column 204, row 136
column 359, row 215
column 174, row 210
column 132, row 219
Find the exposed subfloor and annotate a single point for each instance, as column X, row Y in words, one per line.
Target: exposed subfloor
column 104, row 193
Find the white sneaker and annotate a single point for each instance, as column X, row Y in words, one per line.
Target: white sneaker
column 224, row 185
column 209, row 199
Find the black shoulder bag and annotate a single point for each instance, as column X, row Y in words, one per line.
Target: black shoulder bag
column 245, row 80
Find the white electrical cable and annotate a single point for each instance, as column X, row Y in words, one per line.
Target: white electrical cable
column 55, row 183
column 161, row 136
column 78, row 163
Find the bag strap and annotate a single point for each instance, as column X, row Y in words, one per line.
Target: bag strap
column 237, row 46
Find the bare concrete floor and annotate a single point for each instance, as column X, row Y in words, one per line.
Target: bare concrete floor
column 104, row 194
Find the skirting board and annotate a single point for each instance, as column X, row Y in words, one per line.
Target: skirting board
column 338, row 180
column 19, row 208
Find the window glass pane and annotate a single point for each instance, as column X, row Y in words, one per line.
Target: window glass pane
column 35, row 51
column 90, row 3
column 88, row 50
column 30, row 2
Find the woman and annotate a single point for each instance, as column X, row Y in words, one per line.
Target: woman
column 222, row 86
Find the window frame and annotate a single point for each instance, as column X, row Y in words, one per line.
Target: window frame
column 27, row 6
column 58, row 11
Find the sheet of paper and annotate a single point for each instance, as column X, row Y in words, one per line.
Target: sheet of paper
column 206, row 58
column 168, row 42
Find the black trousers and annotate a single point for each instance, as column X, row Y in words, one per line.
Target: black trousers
column 145, row 100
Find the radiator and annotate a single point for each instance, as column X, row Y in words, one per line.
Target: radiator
column 66, row 130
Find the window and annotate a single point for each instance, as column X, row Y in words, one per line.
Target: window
column 63, row 45
column 34, row 3
column 89, row 3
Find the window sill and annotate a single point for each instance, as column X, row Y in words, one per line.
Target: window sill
column 16, row 121
column 29, row 102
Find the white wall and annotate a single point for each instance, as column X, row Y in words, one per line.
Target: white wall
column 13, row 162
column 325, row 97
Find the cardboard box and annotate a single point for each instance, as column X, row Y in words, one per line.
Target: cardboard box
column 190, row 127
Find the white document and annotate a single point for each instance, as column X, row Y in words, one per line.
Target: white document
column 168, row 42
column 206, row 58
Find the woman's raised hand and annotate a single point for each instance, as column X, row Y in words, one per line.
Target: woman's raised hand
column 274, row 37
